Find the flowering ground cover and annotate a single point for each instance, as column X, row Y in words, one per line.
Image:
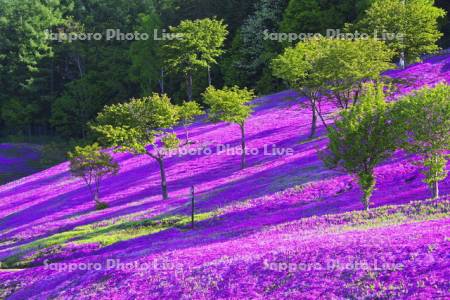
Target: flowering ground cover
column 285, row 227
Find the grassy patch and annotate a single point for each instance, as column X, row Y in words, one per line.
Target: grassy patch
column 95, row 234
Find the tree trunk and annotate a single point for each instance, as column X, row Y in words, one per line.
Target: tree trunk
column 402, row 61
column 96, row 197
column 319, row 113
column 209, row 76
column 366, row 202
column 189, row 86
column 314, row 121
column 367, row 183
column 193, row 206
column 187, row 134
column 161, row 81
column 96, row 190
column 435, row 190
column 243, row 162
column 163, row 179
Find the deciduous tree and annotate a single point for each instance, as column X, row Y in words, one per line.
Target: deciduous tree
column 92, row 164
column 424, row 117
column 415, row 22
column 231, row 105
column 188, row 112
column 361, row 138
column 141, row 127
column 196, row 45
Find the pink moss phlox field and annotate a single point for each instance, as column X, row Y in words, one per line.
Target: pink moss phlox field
column 271, row 234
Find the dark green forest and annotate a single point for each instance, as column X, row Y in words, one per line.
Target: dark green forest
column 51, row 88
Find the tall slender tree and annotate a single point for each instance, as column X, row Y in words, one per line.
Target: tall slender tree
column 195, row 45
column 361, row 138
column 424, row 118
column 230, row 105
column 412, row 25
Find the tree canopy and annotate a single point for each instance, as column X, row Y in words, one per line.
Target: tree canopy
column 363, row 137
column 424, row 118
column 415, row 20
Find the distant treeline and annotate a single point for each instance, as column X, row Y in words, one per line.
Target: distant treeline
column 51, row 87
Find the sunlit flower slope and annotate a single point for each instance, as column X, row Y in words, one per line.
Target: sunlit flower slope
column 284, row 228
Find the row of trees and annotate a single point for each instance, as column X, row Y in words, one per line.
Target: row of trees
column 338, row 71
column 368, row 133
column 145, row 126
column 363, row 136
column 321, row 69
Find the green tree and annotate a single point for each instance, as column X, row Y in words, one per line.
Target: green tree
column 297, row 66
column 322, row 66
column 415, row 20
column 188, row 112
column 146, row 55
column 18, row 115
column 23, row 26
column 363, row 137
column 23, row 48
column 141, row 127
column 86, row 75
column 92, row 164
column 245, row 62
column 75, row 108
column 347, row 64
column 196, row 45
column 230, row 105
column 316, row 16
column 424, row 117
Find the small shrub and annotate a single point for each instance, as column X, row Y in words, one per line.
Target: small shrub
column 92, row 164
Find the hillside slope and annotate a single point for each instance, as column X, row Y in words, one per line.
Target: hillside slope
column 249, row 218
column 18, row 160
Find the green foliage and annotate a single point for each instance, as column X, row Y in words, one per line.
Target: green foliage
column 316, row 16
column 424, row 119
column 92, row 164
column 75, row 108
column 146, row 55
column 363, row 137
column 416, row 20
column 339, row 65
column 197, row 47
column 188, row 112
column 321, row 66
column 22, row 32
column 132, row 126
column 346, row 64
column 246, row 61
column 297, row 66
column 141, row 126
column 23, row 48
column 229, row 104
column 17, row 115
column 55, row 88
